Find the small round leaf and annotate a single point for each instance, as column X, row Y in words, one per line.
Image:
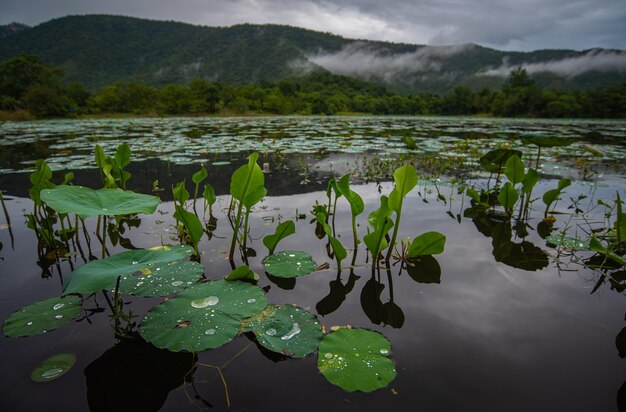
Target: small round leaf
column 286, row 329
column 289, row 264
column 53, row 368
column 356, row 360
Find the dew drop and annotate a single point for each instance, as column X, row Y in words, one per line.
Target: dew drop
column 210, row 332
column 270, row 332
column 177, row 283
column 52, row 373
column 29, row 323
column 292, row 255
column 139, row 284
column 58, row 306
column 58, row 317
column 204, row 302
column 384, row 352
column 251, row 300
column 295, row 329
column 328, row 355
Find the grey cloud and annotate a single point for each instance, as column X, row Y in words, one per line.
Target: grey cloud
column 359, row 60
column 594, row 60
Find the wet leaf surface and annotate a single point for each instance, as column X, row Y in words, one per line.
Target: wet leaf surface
column 42, row 316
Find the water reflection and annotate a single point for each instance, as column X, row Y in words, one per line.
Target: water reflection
column 135, row 376
column 337, row 294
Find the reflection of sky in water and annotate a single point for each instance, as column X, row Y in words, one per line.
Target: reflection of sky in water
column 489, row 337
column 188, row 140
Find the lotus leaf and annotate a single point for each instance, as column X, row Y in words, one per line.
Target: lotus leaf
column 53, row 368
column 289, row 264
column 204, row 316
column 42, row 316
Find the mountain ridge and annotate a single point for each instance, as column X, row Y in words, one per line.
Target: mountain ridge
column 98, row 50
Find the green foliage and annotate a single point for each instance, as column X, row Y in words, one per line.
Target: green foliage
column 209, row 198
column 54, row 367
column 198, row 178
column 514, row 170
column 494, row 160
column 508, row 197
column 426, row 244
column 282, row 231
column 338, row 249
column 551, row 196
column 405, row 179
column 289, row 264
column 192, row 225
column 242, row 273
column 42, row 316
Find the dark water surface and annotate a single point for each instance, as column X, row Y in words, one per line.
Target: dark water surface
column 517, row 330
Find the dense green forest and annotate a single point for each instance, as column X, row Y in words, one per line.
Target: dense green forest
column 30, row 88
column 100, row 50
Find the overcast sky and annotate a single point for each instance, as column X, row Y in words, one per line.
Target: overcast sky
column 502, row 24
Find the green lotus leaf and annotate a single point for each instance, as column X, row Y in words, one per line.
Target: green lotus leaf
column 42, row 316
column 286, row 329
column 162, row 280
column 356, row 360
column 103, row 274
column 204, row 316
column 289, row 264
column 568, row 242
column 85, row 202
column 53, row 368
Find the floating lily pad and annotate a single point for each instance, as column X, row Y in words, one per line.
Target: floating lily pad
column 53, row 368
column 162, row 280
column 356, row 360
column 221, row 163
column 102, row 274
column 42, row 316
column 88, row 202
column 289, row 264
column 568, row 242
column 286, row 329
column 204, row 316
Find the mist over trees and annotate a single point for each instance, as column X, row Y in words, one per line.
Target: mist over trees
column 27, row 84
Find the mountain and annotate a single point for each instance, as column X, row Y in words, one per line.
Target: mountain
column 10, row 29
column 98, row 50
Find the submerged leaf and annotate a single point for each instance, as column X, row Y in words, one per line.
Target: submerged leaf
column 356, row 360
column 54, row 367
column 42, row 316
column 204, row 316
column 88, row 202
column 286, row 329
column 289, row 264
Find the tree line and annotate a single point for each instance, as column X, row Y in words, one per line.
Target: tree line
column 28, row 85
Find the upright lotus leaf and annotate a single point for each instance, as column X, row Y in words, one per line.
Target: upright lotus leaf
column 596, row 246
column 54, row 367
column 405, row 179
column 376, row 241
column 429, row 243
column 514, row 170
column 508, row 196
column 338, row 249
column 88, row 202
column 102, row 274
column 180, row 193
column 530, row 180
column 242, row 273
column 286, row 329
column 197, row 178
column 191, row 223
column 545, row 141
column 247, row 180
column 494, row 160
column 289, row 264
column 282, row 231
column 161, row 280
column 383, row 211
column 356, row 202
column 40, row 179
column 209, row 195
column 356, row 360
column 204, row 316
column 42, row 316
column 551, row 196
column 100, row 156
column 122, row 156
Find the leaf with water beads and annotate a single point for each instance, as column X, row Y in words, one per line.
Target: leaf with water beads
column 162, row 280
column 204, row 316
column 568, row 242
column 289, row 264
column 53, row 368
column 42, row 316
column 102, row 274
column 356, row 360
column 286, row 329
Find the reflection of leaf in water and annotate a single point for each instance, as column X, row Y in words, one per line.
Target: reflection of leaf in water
column 333, row 300
column 424, row 269
column 621, row 398
column 620, row 343
column 135, row 376
column 370, row 300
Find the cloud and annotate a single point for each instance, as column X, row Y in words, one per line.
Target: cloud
column 367, row 62
column 592, row 61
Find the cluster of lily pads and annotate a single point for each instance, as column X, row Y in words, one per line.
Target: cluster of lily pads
column 200, row 314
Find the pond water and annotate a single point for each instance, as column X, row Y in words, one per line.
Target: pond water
column 502, row 320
